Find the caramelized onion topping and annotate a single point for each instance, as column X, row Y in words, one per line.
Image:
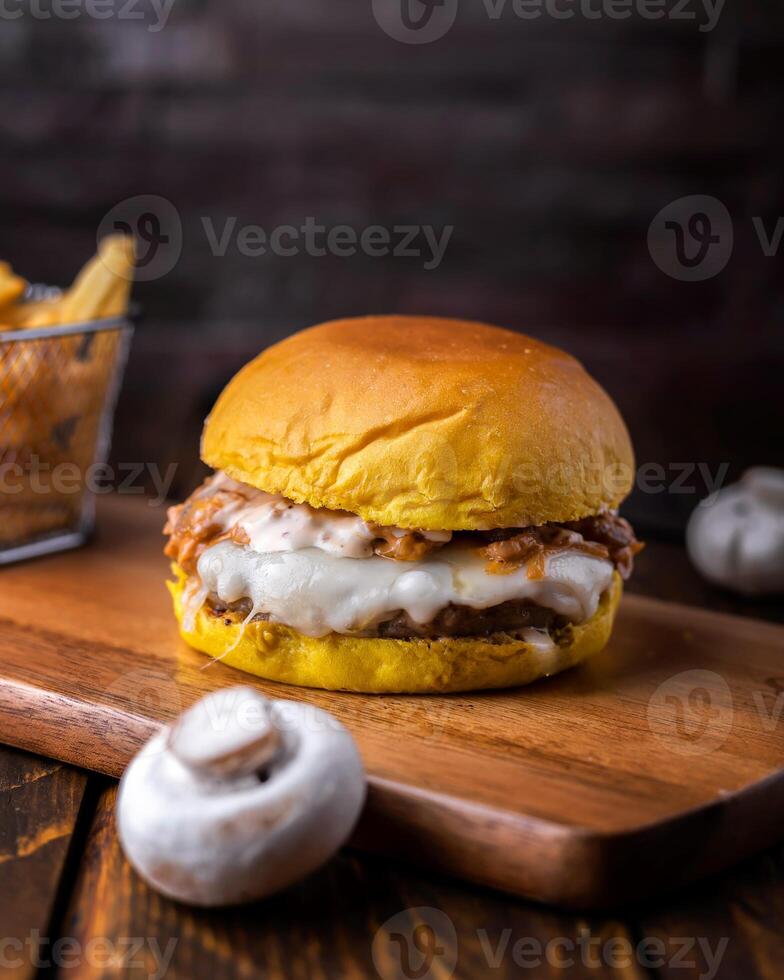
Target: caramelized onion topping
column 193, row 526
column 200, row 522
column 410, row 546
column 605, row 536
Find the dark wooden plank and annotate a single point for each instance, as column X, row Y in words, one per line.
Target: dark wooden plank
column 483, row 785
column 349, row 920
column 734, row 928
column 39, row 806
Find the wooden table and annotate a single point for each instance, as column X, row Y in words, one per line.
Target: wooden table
column 71, row 906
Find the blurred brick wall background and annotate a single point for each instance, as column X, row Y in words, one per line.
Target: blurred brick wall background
column 549, row 145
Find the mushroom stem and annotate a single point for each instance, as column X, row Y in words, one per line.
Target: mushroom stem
column 228, row 735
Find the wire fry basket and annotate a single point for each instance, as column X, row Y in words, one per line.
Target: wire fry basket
column 58, row 390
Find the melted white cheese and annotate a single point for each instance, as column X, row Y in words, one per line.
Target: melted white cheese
column 317, row 593
column 273, row 523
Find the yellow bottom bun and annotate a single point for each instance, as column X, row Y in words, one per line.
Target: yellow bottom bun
column 386, row 666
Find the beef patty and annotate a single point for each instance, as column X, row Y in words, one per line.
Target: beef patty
column 452, row 620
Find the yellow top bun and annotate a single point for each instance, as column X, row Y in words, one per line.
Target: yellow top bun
column 423, row 422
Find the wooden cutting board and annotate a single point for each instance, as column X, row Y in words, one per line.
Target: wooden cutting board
column 657, row 762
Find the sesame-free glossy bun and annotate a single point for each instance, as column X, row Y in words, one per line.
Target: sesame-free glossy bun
column 423, row 422
column 383, row 666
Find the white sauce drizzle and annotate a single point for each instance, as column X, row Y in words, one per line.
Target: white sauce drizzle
column 273, row 523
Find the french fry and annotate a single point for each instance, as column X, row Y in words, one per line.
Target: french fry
column 33, row 313
column 12, row 287
column 102, row 289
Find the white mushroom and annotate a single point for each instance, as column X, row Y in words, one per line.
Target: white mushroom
column 736, row 536
column 239, row 798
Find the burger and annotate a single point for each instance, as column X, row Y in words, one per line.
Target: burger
column 406, row 504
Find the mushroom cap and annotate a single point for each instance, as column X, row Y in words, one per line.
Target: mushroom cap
column 219, row 841
column 735, row 537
